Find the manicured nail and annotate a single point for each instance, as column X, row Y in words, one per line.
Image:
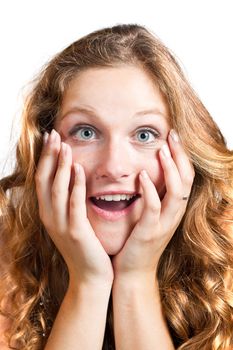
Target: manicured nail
column 174, row 135
column 45, row 137
column 165, row 151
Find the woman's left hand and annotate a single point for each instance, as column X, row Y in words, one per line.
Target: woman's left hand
column 140, row 255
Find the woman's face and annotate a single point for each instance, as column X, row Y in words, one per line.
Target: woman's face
column 104, row 116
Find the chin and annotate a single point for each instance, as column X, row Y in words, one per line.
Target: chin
column 112, row 243
column 111, row 251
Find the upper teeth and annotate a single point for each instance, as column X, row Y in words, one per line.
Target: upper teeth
column 116, row 197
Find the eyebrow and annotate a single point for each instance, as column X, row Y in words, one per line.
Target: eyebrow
column 91, row 112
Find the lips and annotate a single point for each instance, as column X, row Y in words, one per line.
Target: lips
column 113, row 205
column 114, row 215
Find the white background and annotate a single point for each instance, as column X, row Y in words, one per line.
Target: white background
column 199, row 32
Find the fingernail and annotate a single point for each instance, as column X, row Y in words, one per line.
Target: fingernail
column 165, row 151
column 45, row 137
column 53, row 135
column 174, row 135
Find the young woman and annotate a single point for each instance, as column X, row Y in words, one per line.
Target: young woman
column 110, row 240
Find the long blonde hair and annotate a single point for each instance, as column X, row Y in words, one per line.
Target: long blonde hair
column 195, row 271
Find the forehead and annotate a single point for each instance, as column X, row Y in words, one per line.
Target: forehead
column 114, row 89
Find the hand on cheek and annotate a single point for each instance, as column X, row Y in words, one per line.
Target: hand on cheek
column 159, row 220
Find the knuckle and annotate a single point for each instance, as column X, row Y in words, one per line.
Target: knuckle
column 57, row 191
column 154, row 208
column 188, row 179
column 176, row 194
column 177, row 189
column 148, row 238
column 73, row 234
column 146, row 235
column 73, row 204
column 51, row 150
column 62, row 231
column 77, row 225
column 61, row 164
column 47, row 154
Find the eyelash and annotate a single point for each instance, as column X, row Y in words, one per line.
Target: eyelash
column 77, row 128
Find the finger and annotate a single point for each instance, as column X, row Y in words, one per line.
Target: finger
column 184, row 165
column 46, row 168
column 60, row 188
column 77, row 209
column 151, row 210
column 171, row 202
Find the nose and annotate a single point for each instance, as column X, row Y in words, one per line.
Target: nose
column 114, row 162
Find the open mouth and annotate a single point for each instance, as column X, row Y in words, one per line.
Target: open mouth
column 114, row 205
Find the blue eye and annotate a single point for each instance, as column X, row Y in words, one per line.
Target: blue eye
column 147, row 131
column 84, row 134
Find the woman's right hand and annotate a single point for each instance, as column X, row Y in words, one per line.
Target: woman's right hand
column 64, row 215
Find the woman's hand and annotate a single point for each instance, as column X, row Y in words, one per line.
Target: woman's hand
column 64, row 215
column 140, row 255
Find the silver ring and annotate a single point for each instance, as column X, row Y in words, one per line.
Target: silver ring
column 185, row 198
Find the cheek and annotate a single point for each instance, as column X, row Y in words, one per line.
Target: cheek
column 149, row 161
column 87, row 163
column 155, row 171
column 86, row 159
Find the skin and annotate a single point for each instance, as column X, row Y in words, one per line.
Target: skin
column 101, row 256
column 111, row 158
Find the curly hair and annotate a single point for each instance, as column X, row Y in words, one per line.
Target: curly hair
column 195, row 271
